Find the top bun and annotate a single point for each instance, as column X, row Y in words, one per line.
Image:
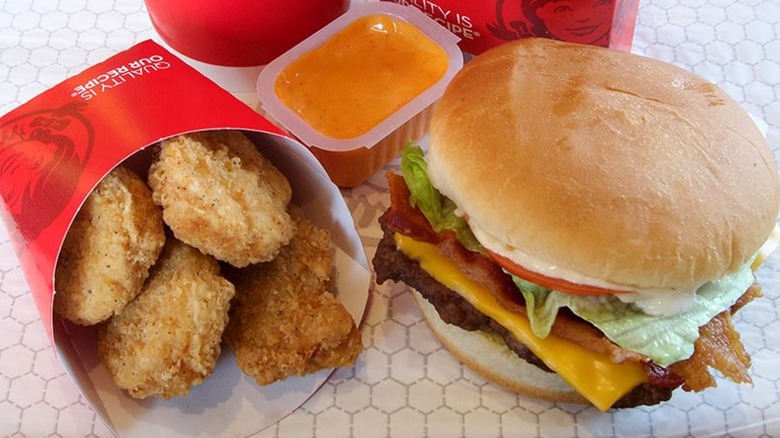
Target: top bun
column 613, row 165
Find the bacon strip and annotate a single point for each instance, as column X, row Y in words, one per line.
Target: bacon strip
column 662, row 377
column 753, row 292
column 482, row 269
column 718, row 347
column 402, row 218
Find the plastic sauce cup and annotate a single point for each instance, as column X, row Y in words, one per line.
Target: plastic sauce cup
column 362, row 87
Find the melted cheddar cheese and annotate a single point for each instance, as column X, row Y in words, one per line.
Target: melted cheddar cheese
column 767, row 249
column 594, row 375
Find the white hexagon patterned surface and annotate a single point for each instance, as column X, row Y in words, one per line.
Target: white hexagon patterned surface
column 404, row 384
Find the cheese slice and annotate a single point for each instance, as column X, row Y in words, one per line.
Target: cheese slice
column 771, row 244
column 594, row 375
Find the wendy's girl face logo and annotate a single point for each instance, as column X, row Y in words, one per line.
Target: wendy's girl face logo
column 482, row 24
column 42, row 155
column 579, row 21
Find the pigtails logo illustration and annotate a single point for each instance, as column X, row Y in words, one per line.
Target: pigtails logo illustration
column 580, row 21
column 42, row 155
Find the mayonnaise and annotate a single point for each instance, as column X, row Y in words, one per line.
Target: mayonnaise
column 652, row 301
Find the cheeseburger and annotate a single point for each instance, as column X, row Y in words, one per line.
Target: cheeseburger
column 583, row 224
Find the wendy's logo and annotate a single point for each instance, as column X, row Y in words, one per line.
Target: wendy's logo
column 42, row 157
column 579, row 21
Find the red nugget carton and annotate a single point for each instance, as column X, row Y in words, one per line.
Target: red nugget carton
column 57, row 147
column 487, row 23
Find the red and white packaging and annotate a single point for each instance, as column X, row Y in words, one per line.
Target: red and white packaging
column 58, row 146
column 482, row 24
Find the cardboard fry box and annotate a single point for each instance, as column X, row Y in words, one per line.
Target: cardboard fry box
column 57, row 147
column 487, row 23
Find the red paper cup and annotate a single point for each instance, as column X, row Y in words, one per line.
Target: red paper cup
column 239, row 33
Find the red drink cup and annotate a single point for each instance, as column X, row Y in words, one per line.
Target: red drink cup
column 239, row 33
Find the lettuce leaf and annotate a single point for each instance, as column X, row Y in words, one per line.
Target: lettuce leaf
column 437, row 208
column 665, row 339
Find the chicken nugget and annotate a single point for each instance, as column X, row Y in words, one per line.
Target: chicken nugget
column 284, row 322
column 220, row 195
column 114, row 240
column 168, row 339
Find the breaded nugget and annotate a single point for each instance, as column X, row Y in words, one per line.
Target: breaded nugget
column 115, row 238
column 168, row 339
column 284, row 321
column 220, row 195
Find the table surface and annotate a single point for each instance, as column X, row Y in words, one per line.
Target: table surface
column 405, row 383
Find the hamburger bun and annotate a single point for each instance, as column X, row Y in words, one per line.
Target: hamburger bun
column 611, row 165
column 489, row 357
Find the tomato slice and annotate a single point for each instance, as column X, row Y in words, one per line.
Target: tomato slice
column 550, row 282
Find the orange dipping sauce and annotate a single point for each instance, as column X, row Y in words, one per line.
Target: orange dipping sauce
column 361, row 75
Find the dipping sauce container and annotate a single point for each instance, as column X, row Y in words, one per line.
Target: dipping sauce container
column 361, row 88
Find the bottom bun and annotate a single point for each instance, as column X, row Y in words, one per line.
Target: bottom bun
column 488, row 356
